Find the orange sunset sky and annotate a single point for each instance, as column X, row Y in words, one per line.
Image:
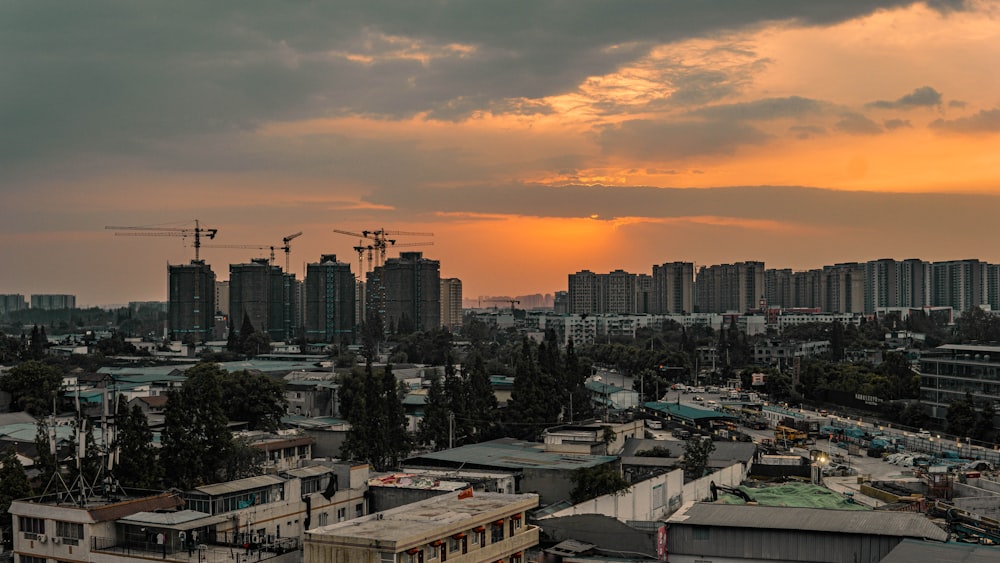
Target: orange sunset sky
column 533, row 138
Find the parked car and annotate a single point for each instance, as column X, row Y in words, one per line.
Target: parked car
column 698, row 398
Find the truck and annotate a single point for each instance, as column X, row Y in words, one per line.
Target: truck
column 788, row 434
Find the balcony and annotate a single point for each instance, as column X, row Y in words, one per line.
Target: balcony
column 520, row 541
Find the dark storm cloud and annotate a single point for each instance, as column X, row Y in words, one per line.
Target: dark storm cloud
column 765, row 109
column 986, row 121
column 925, row 96
column 892, row 124
column 807, row 131
column 857, row 124
column 118, row 77
column 780, row 204
column 674, row 140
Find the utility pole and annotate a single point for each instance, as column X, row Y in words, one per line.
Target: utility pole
column 451, row 430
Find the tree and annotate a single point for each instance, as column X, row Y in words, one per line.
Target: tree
column 38, row 344
column 961, row 416
column 33, row 387
column 433, row 427
column 593, row 482
column 696, row 452
column 984, row 429
column 529, row 407
column 254, row 398
column 483, row 407
column 378, row 433
column 14, row 485
column 195, row 440
column 243, row 460
column 138, row 465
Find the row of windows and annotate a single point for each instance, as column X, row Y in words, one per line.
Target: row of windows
column 459, row 543
column 36, row 527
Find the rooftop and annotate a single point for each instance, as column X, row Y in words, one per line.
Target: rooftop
column 685, row 411
column 420, row 520
column 870, row 522
column 509, row 453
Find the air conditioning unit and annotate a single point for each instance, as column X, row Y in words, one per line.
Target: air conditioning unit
column 42, row 538
column 55, row 539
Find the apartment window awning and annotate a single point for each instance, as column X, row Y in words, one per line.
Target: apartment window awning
column 478, row 529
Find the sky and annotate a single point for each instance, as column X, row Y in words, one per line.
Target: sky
column 533, row 138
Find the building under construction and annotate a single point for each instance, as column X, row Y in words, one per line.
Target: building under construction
column 406, row 291
column 265, row 295
column 191, row 304
column 330, row 301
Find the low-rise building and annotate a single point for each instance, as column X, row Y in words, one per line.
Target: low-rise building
column 462, row 527
column 733, row 532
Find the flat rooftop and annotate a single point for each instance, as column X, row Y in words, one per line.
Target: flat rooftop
column 426, row 518
column 508, row 453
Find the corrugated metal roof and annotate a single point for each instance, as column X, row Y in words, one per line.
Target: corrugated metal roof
column 147, row 504
column 165, row 518
column 309, row 471
column 684, row 411
column 240, row 485
column 872, row 522
column 510, row 453
column 916, row 551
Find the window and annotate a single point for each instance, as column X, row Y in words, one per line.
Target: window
column 341, row 514
column 30, row 559
column 323, row 518
column 359, row 509
column 700, row 533
column 496, row 532
column 31, row 526
column 444, row 552
column 70, row 530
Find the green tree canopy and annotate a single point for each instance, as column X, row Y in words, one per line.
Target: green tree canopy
column 138, row 465
column 593, row 482
column 696, row 452
column 33, row 387
column 255, row 398
column 195, row 440
column 14, row 485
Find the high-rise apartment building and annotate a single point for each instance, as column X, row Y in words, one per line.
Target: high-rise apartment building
column 643, row 294
column 729, row 287
column 265, row 295
column 673, row 288
column 407, row 290
column 618, row 290
column 959, row 284
column 451, row 303
column 53, row 301
column 584, row 293
column 222, row 297
column 892, row 283
column 330, row 301
column 845, row 288
column 12, row 302
column 191, row 301
column 808, row 289
column 778, row 288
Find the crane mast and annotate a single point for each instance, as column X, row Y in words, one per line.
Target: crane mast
column 197, row 232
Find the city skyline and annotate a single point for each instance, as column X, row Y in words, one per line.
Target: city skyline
column 534, row 139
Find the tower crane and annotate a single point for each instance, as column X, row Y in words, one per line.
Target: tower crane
column 288, row 248
column 197, row 232
column 379, row 244
column 248, row 246
column 511, row 301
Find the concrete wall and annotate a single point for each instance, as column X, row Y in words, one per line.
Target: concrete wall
column 700, row 489
column 646, row 500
